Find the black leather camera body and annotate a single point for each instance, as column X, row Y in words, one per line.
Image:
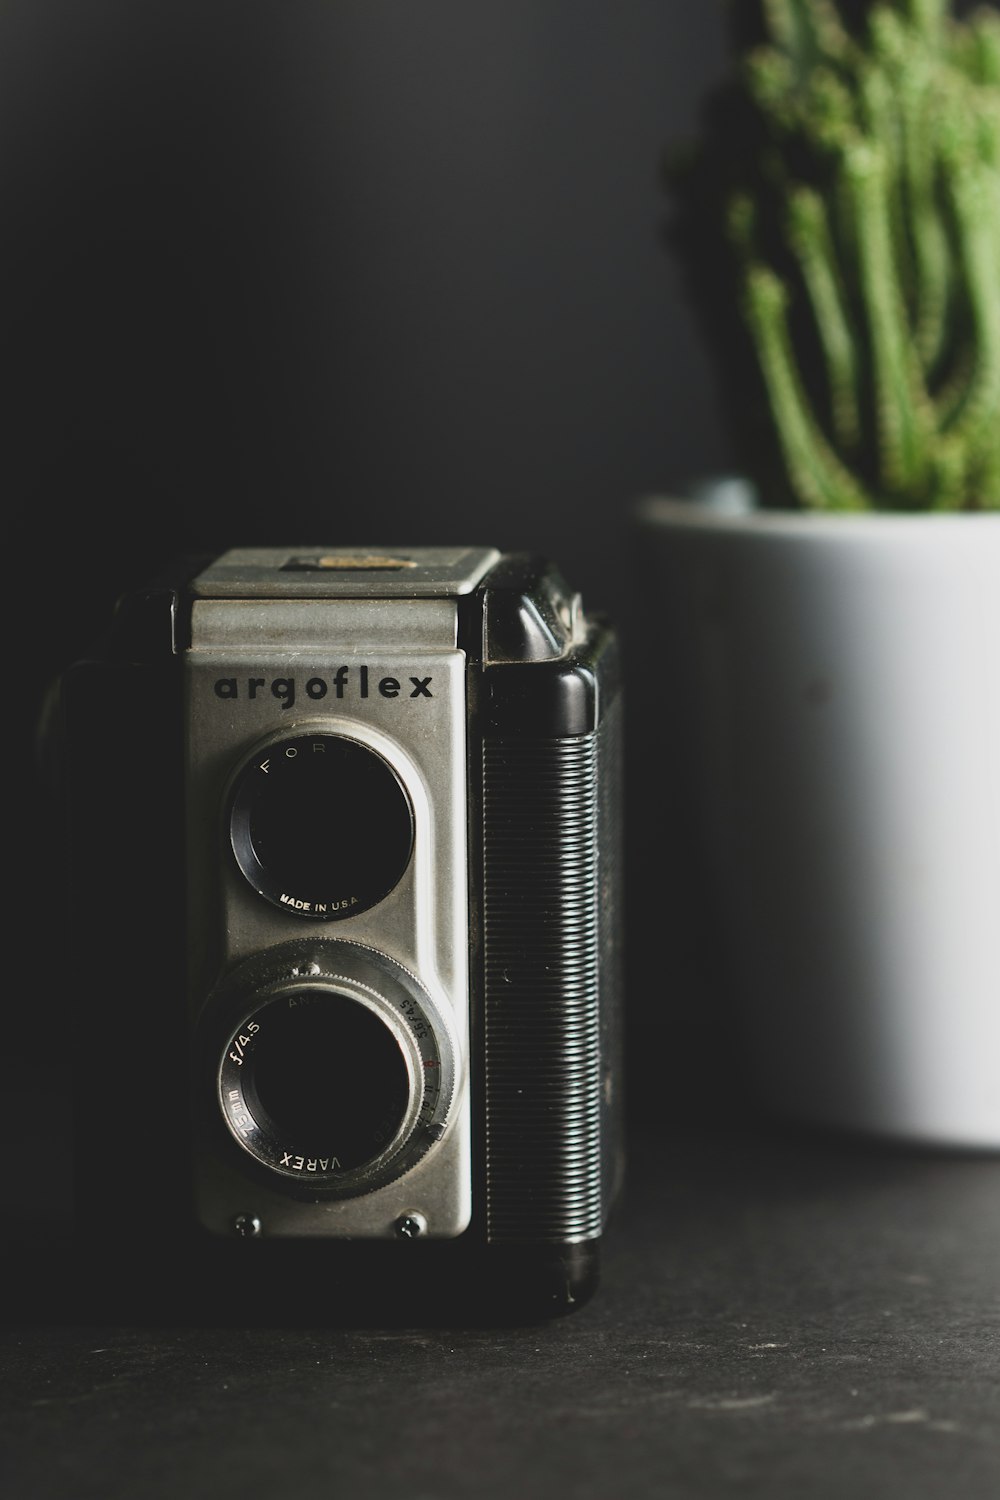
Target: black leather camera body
column 344, row 830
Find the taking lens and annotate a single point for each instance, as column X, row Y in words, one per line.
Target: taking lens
column 332, row 1070
column 326, row 1077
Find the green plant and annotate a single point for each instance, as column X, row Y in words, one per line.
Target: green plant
column 840, row 224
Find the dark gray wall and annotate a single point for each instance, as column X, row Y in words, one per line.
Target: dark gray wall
column 371, row 270
column 378, row 271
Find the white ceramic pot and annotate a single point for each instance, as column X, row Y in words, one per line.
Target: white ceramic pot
column 836, row 682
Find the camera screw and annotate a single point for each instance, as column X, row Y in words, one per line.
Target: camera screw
column 247, row 1226
column 411, row 1226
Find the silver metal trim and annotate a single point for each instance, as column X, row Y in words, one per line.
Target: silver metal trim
column 269, row 573
column 348, row 625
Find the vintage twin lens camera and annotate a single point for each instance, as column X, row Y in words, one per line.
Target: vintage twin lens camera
column 344, row 829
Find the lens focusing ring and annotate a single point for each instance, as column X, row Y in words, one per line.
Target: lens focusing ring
column 331, row 1083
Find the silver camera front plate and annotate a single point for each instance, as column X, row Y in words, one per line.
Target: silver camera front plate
column 269, row 673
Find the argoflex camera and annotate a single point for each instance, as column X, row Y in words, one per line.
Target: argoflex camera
column 344, row 832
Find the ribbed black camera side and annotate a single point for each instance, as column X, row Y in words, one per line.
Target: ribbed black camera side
column 542, row 1002
column 611, row 854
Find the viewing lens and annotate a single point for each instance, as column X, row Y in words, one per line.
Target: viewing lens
column 321, row 825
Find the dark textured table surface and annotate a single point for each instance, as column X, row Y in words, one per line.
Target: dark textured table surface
column 781, row 1315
